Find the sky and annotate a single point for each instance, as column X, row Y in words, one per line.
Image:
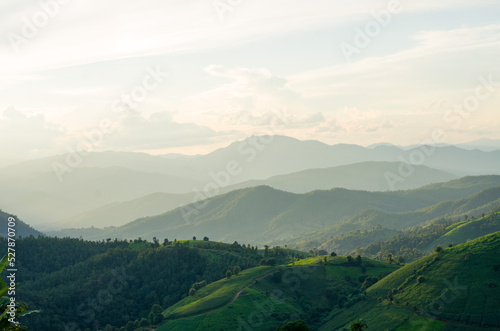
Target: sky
column 189, row 76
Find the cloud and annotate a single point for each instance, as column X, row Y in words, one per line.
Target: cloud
column 23, row 136
column 434, row 68
column 95, row 31
column 249, row 96
column 158, row 131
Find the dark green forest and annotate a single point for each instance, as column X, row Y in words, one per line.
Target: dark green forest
column 84, row 284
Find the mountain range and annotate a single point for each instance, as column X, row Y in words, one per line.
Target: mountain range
column 58, row 191
column 263, row 214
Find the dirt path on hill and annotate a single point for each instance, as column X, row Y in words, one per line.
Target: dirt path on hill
column 234, row 297
column 253, row 282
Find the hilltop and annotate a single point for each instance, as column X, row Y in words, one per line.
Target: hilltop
column 263, row 298
column 457, row 288
column 282, row 215
column 21, row 228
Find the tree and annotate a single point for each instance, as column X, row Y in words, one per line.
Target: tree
column 156, row 243
column 389, row 257
column 236, row 270
column 369, row 281
column 358, row 260
column 420, row 279
column 228, row 274
column 270, row 261
column 266, row 250
column 439, row 249
column 333, row 254
column 298, row 325
column 348, row 260
column 156, row 316
column 165, row 242
column 194, row 237
column 205, row 238
column 358, row 325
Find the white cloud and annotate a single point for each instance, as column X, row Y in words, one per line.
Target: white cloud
column 423, row 73
column 156, row 132
column 23, row 136
column 90, row 31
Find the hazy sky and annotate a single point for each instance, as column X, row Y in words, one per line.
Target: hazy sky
column 187, row 76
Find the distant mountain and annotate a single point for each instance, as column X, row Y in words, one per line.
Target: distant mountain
column 370, row 176
column 120, row 213
column 42, row 198
column 372, row 225
column 32, row 188
column 362, row 176
column 262, row 214
column 20, row 228
column 266, row 156
column 483, row 144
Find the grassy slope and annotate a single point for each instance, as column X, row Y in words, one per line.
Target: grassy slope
column 267, row 303
column 469, row 230
column 215, row 294
column 457, row 287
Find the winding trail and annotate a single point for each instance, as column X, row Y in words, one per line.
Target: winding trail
column 234, row 297
column 247, row 286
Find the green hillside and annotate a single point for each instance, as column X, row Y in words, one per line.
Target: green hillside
column 77, row 282
column 282, row 215
column 307, row 289
column 476, row 204
column 455, row 289
column 374, row 225
column 470, row 229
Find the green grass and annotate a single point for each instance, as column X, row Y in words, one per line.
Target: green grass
column 253, row 309
column 299, row 286
column 459, row 285
column 417, row 323
column 468, row 230
column 215, row 294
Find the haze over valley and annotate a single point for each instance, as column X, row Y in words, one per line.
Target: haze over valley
column 239, row 165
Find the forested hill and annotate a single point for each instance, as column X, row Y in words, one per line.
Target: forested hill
column 21, row 229
column 79, row 284
column 261, row 214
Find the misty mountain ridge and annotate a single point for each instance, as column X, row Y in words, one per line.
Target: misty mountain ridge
column 40, row 194
column 263, row 214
